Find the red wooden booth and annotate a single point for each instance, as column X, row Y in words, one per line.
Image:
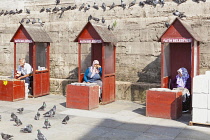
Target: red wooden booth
column 179, row 48
column 39, row 49
column 102, row 48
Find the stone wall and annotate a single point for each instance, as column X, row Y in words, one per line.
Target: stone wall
column 137, row 30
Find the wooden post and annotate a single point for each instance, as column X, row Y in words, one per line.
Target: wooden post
column 14, row 72
column 162, row 62
column 79, row 62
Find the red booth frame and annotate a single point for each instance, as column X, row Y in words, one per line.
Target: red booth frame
column 32, row 34
column 100, row 38
column 179, row 34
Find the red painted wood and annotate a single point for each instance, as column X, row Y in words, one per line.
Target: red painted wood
column 45, row 83
column 165, row 82
column 106, row 58
column 161, row 104
column 180, row 56
column 15, row 48
column 12, row 91
column 79, row 63
column 176, row 30
column 37, row 84
column 162, row 64
column 21, row 34
column 89, row 33
column 82, row 97
column 198, row 53
column 41, row 80
column 96, row 50
column 108, row 94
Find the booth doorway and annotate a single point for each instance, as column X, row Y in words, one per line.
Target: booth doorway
column 180, row 56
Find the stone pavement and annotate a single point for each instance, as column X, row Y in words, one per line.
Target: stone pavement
column 121, row 120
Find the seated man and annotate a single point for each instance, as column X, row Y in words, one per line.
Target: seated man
column 182, row 81
column 24, row 71
column 93, row 75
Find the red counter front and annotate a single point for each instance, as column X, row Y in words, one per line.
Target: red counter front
column 164, row 104
column 82, row 97
column 12, row 90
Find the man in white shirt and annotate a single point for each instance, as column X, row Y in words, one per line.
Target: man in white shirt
column 24, row 71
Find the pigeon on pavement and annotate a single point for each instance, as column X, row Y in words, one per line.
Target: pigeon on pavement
column 6, row 136
column 42, row 107
column 40, row 136
column 27, row 129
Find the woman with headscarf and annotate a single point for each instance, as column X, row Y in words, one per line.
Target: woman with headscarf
column 93, row 75
column 183, row 82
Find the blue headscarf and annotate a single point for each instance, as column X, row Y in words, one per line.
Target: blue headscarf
column 182, row 80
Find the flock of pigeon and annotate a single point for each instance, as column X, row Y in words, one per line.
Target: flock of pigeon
column 28, row 128
column 87, row 6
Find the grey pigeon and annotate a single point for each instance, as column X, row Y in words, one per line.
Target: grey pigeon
column 73, row 7
column 18, row 122
column 28, row 11
column 13, row 116
column 22, row 20
column 6, row 136
column 54, row 108
column 155, row 2
column 110, row 27
column 65, row 120
column 103, row 6
column 19, row 11
column 34, row 21
column 162, row 2
column 90, row 17
column 179, row 1
column 55, row 10
column 141, row 3
column 37, row 116
column 57, row 2
column 42, row 10
column 47, row 123
column 199, row 1
column 28, row 21
column 179, row 14
column 6, row 12
column 95, row 6
column 42, row 107
column 96, row 19
column 40, row 136
column 123, row 5
column 132, row 3
column 103, row 20
column 49, row 113
column 82, row 6
column 86, row 8
column 2, row 12
column 41, row 23
column 112, row 6
column 48, row 9
column 68, row 8
column 20, row 110
column 167, row 24
column 27, row 129
column 12, row 12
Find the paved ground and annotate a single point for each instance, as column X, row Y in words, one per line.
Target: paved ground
column 121, row 120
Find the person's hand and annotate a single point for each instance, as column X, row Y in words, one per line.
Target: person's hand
column 19, row 78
